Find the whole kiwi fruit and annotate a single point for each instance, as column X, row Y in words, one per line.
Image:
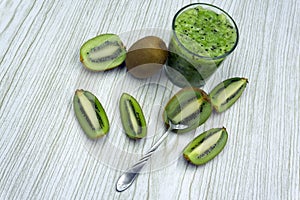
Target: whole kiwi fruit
column 146, row 57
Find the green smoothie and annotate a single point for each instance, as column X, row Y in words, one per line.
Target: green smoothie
column 203, row 35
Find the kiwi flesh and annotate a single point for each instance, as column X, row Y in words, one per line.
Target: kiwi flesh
column 146, row 57
column 103, row 52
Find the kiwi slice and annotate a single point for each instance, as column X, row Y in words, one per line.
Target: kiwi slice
column 104, row 52
column 190, row 106
column 90, row 114
column 132, row 117
column 226, row 93
column 206, row 146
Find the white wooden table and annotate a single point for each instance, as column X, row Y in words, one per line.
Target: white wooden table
column 45, row 155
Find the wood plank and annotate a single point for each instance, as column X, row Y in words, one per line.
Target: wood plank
column 44, row 153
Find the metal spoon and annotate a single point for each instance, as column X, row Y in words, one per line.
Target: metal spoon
column 127, row 178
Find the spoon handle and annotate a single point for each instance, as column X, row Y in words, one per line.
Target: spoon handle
column 127, row 178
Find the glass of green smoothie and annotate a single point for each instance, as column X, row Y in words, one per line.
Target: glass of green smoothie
column 203, row 35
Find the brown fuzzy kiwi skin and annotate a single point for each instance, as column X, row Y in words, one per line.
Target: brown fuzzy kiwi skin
column 146, row 57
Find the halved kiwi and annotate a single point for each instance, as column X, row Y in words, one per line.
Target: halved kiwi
column 103, row 52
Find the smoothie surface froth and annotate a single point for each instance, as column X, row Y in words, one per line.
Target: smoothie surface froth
column 205, row 32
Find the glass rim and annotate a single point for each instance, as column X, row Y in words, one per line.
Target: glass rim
column 193, row 53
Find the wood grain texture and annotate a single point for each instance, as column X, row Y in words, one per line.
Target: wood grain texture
column 45, row 155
